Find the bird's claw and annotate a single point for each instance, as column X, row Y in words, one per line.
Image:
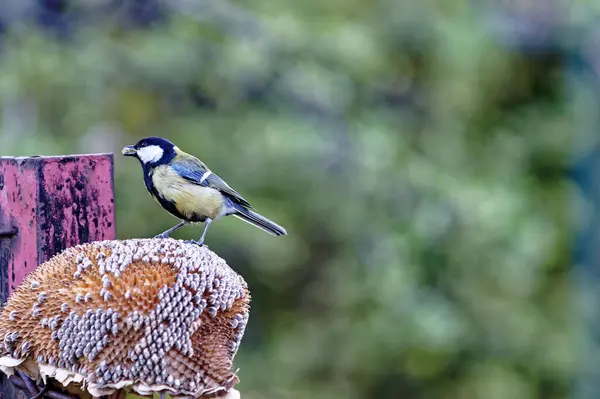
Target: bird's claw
column 199, row 243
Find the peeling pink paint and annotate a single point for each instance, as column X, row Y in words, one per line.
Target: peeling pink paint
column 56, row 203
column 18, row 195
column 76, row 198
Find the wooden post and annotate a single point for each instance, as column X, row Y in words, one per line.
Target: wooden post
column 48, row 204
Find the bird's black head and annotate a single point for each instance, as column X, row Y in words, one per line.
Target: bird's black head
column 152, row 151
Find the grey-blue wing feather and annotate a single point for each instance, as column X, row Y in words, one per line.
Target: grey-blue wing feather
column 216, row 182
column 194, row 172
column 190, row 171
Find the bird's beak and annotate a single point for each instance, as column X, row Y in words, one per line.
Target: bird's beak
column 129, row 151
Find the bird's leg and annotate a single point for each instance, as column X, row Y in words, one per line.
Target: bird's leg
column 172, row 229
column 201, row 240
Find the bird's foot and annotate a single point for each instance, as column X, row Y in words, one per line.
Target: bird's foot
column 162, row 235
column 199, row 243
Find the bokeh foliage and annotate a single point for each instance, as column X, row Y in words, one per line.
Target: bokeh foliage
column 416, row 160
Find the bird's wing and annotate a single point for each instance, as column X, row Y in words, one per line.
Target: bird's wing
column 195, row 171
column 190, row 168
column 216, row 182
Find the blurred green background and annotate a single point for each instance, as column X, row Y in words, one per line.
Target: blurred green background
column 416, row 152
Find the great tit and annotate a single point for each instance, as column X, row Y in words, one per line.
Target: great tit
column 185, row 187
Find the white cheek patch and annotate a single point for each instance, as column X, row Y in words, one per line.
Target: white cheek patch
column 150, row 154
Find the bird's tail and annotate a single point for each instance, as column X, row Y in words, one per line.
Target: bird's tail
column 259, row 221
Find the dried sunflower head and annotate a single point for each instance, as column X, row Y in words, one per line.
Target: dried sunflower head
column 141, row 315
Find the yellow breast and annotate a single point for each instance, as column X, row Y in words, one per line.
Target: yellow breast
column 191, row 200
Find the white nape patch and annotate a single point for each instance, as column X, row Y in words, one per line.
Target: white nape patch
column 151, row 153
column 205, row 176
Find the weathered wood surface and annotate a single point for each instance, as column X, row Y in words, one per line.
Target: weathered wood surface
column 48, row 204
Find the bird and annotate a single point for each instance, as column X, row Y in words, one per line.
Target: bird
column 185, row 187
